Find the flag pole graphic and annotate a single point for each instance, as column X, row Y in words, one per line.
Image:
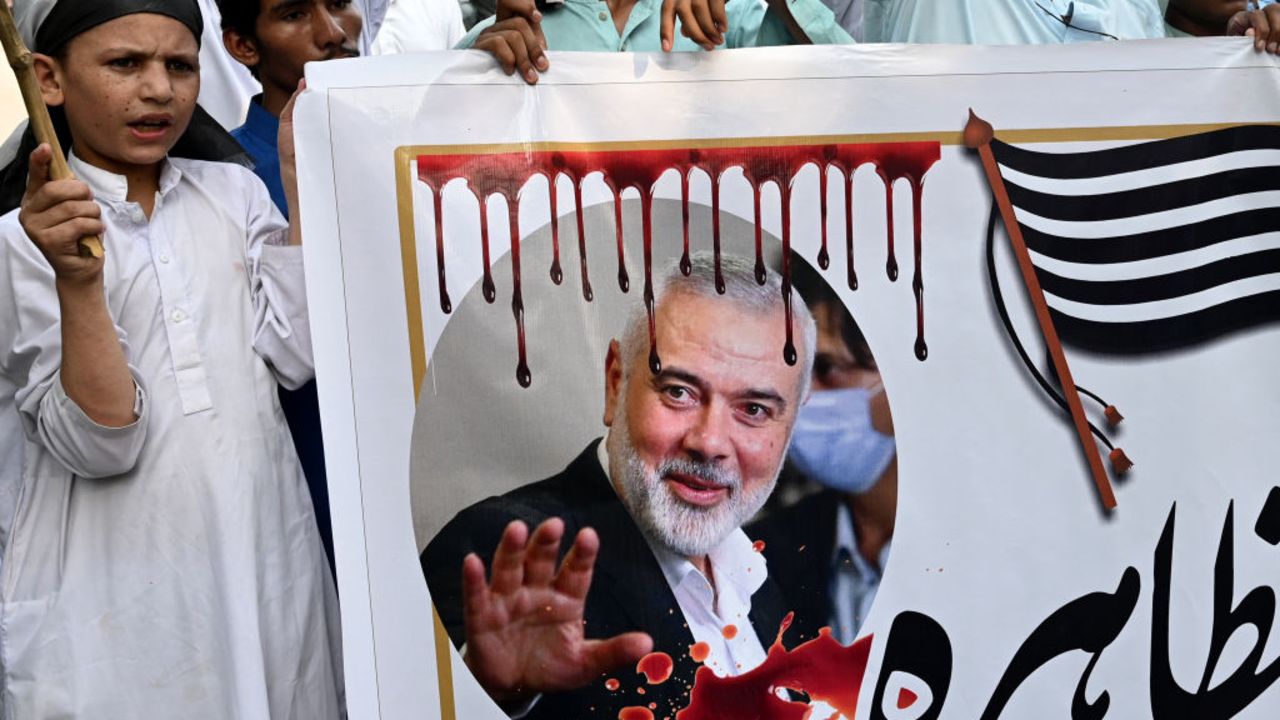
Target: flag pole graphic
column 978, row 135
column 42, row 127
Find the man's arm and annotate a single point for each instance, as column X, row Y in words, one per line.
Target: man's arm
column 277, row 286
column 94, row 374
column 524, row 625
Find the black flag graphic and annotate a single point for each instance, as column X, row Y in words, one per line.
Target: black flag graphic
column 1157, row 245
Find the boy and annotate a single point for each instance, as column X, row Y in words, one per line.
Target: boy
column 275, row 41
column 160, row 556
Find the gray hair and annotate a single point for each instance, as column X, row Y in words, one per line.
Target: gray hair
column 741, row 289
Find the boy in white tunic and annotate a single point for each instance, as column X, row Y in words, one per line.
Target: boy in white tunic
column 161, row 559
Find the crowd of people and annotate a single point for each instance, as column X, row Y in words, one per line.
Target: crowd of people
column 164, row 518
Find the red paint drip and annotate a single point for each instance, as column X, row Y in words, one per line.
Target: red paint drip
column 506, row 174
column 848, row 230
column 612, row 684
column 699, row 652
column 729, row 632
column 490, row 291
column 446, row 305
column 715, row 230
column 906, row 698
column 557, row 274
column 686, row 266
column 917, row 278
column 822, row 668
column 635, row 713
column 890, row 265
column 523, row 376
column 582, row 242
column 624, row 280
column 824, row 259
column 761, row 275
column 656, row 667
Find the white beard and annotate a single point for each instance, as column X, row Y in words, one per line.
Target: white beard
column 665, row 519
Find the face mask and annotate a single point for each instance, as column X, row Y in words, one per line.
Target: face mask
column 835, row 444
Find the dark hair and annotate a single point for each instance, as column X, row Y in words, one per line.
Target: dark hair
column 240, row 16
column 816, row 291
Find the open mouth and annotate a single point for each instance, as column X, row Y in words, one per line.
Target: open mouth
column 151, row 126
column 696, row 490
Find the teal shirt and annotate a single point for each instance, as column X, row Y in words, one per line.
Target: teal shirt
column 587, row 25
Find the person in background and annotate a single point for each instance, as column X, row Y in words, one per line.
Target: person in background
column 419, row 26
column 161, row 558
column 519, row 34
column 274, row 39
column 1259, row 19
column 1011, row 22
column 829, row 549
column 225, row 85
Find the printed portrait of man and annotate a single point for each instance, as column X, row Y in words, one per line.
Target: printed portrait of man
column 637, row 544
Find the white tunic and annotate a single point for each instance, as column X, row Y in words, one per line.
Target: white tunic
column 172, row 568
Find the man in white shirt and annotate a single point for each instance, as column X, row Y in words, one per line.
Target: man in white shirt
column 1011, row 22
column 698, row 425
column 419, row 26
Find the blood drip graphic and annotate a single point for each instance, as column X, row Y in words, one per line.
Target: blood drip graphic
column 822, row 668
column 656, row 667
column 699, row 651
column 505, row 173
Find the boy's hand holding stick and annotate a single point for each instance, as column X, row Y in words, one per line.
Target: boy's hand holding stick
column 20, row 60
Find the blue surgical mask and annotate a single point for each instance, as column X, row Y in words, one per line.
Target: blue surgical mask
column 835, row 444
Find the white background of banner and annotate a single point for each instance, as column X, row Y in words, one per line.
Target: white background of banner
column 998, row 521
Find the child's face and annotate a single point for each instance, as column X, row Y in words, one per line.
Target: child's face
column 128, row 87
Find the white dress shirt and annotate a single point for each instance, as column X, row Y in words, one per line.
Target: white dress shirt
column 419, row 26
column 170, row 568
column 854, row 581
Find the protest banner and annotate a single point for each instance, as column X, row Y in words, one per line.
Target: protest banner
column 1037, row 243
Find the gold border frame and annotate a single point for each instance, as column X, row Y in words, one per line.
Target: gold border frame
column 405, row 156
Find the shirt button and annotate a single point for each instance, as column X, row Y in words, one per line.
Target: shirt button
column 164, row 259
column 604, row 15
column 137, row 215
column 178, row 316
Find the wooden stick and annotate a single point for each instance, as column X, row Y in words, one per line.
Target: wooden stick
column 978, row 135
column 41, row 125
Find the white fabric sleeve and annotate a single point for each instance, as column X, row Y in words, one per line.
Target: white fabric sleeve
column 31, row 359
column 282, row 328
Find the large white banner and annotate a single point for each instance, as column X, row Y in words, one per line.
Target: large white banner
column 457, row 221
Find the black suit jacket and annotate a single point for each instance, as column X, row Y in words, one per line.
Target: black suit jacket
column 628, row 591
column 799, row 542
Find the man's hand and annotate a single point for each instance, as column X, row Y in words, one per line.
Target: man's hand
column 1261, row 25
column 524, row 627
column 516, row 39
column 702, row 21
column 287, row 154
column 55, row 214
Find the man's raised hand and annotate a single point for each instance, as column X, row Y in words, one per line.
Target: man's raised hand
column 702, row 21
column 515, row 39
column 56, row 214
column 1262, row 25
column 524, row 626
